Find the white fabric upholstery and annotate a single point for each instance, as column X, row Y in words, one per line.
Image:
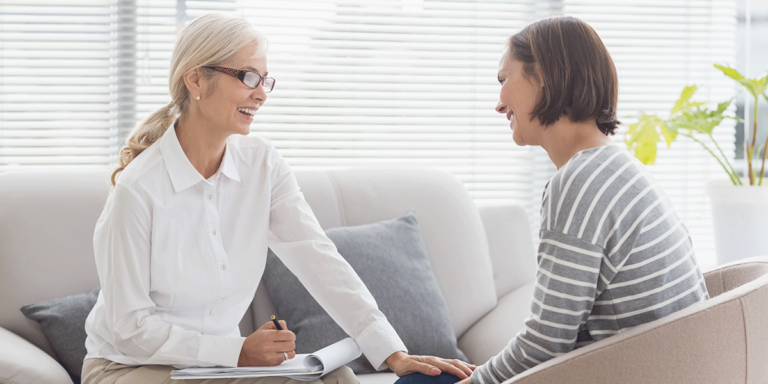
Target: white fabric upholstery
column 511, row 246
column 449, row 222
column 377, row 378
column 22, row 362
column 46, row 241
column 46, row 233
column 494, row 331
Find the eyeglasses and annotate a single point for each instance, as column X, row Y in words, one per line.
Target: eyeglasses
column 251, row 79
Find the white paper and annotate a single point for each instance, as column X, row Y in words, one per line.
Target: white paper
column 303, row 367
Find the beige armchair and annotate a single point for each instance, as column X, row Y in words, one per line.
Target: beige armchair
column 720, row 341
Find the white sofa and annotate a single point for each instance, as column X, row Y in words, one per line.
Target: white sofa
column 483, row 258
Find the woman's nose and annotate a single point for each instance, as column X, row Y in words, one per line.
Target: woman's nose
column 501, row 108
column 259, row 95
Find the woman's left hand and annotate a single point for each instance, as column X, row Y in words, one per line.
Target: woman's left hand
column 402, row 364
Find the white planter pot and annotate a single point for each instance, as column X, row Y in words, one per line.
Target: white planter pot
column 740, row 218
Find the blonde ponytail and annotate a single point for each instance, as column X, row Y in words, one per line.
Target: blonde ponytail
column 143, row 135
column 209, row 40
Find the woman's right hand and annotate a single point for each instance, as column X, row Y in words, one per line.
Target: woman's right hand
column 265, row 347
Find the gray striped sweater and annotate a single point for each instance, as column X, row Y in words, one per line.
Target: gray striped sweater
column 613, row 255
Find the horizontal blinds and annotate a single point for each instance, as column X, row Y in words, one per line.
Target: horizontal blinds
column 659, row 47
column 56, row 99
column 359, row 83
column 391, row 83
column 157, row 22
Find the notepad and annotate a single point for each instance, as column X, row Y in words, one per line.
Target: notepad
column 304, row 367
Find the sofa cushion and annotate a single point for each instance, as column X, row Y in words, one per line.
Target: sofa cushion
column 23, row 363
column 449, row 222
column 492, row 333
column 46, row 240
column 390, row 258
column 63, row 324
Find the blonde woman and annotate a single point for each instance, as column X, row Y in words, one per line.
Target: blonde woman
column 182, row 242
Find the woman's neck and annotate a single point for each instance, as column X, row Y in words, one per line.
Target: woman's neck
column 564, row 138
column 202, row 145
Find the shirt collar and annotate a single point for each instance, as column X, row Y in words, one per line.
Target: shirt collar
column 182, row 173
column 228, row 167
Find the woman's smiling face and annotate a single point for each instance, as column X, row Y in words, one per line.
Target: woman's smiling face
column 230, row 104
column 518, row 97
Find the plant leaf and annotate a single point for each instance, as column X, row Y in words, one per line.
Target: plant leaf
column 723, row 106
column 646, row 152
column 642, row 137
column 754, row 86
column 730, row 72
column 682, row 103
column 669, row 132
column 699, row 120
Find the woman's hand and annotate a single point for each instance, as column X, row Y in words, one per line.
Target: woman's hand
column 266, row 346
column 402, row 364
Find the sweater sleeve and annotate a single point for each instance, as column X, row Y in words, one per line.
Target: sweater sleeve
column 565, row 291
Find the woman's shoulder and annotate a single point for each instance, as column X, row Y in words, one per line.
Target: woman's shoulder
column 253, row 150
column 599, row 173
column 141, row 166
column 250, row 142
column 599, row 165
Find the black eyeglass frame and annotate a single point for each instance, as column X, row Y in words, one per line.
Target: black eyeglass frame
column 240, row 74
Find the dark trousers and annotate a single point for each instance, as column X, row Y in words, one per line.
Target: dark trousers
column 420, row 378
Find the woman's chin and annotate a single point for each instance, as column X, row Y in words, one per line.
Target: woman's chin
column 518, row 139
column 243, row 129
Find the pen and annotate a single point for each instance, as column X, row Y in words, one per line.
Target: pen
column 277, row 325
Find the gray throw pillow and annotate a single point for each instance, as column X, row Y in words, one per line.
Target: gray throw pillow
column 390, row 258
column 63, row 324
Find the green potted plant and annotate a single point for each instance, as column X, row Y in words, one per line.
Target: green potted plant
column 740, row 203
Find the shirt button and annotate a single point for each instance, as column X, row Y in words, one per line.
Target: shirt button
column 223, row 267
column 210, row 197
column 210, row 312
column 215, row 232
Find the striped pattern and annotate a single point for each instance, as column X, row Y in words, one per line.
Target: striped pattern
column 613, row 255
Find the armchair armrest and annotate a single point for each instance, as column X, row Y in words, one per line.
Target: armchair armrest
column 511, row 246
column 21, row 362
column 722, row 340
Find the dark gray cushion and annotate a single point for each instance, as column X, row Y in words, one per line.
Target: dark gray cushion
column 390, row 258
column 63, row 324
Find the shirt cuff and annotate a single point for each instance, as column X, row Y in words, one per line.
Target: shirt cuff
column 220, row 351
column 476, row 376
column 378, row 341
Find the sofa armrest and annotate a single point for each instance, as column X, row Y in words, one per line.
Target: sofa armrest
column 511, row 246
column 492, row 333
column 21, row 362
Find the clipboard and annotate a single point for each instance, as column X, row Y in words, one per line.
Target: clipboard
column 304, row 367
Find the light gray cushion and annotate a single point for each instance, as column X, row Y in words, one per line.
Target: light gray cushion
column 63, row 324
column 390, row 258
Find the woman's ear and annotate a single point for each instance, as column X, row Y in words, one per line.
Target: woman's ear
column 195, row 82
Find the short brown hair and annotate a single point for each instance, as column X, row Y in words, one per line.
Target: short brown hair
column 578, row 77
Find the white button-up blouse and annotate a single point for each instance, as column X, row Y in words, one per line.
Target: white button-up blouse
column 179, row 258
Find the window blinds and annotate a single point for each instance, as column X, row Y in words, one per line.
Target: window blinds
column 57, row 100
column 659, row 47
column 359, row 83
column 382, row 83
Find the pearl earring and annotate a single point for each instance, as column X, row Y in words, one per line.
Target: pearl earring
column 197, row 97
